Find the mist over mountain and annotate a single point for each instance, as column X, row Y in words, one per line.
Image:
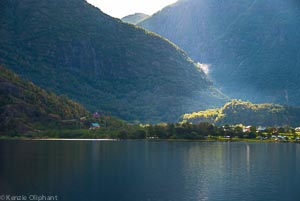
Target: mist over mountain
column 251, row 47
column 135, row 18
column 72, row 48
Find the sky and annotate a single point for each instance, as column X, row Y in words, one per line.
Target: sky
column 122, row 8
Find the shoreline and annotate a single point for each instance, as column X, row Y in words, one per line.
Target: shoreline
column 3, row 138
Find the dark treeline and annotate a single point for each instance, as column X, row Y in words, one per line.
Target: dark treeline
column 200, row 131
column 182, row 131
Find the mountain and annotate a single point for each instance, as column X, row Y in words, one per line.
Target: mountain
column 246, row 113
column 70, row 47
column 135, row 18
column 24, row 107
column 251, row 47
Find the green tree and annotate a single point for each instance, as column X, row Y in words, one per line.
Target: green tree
column 122, row 134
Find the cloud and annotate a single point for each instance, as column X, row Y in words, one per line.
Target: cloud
column 204, row 67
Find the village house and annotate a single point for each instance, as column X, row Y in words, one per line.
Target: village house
column 247, row 129
column 297, row 129
column 94, row 126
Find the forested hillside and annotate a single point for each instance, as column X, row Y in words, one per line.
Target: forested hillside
column 246, row 113
column 24, row 107
column 72, row 48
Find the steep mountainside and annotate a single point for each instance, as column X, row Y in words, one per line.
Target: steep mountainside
column 135, row 18
column 72, row 48
column 239, row 112
column 252, row 47
column 24, row 107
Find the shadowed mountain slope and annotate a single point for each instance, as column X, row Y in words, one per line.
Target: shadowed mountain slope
column 251, row 46
column 72, row 48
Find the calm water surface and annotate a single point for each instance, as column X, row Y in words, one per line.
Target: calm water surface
column 151, row 171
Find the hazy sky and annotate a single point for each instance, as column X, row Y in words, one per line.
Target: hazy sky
column 121, row 8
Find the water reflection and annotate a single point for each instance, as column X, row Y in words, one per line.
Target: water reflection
column 248, row 158
column 150, row 171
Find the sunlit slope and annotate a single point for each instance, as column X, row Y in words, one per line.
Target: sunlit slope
column 241, row 112
column 72, row 48
column 25, row 108
column 252, row 46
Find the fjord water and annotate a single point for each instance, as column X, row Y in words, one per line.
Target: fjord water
column 151, row 170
